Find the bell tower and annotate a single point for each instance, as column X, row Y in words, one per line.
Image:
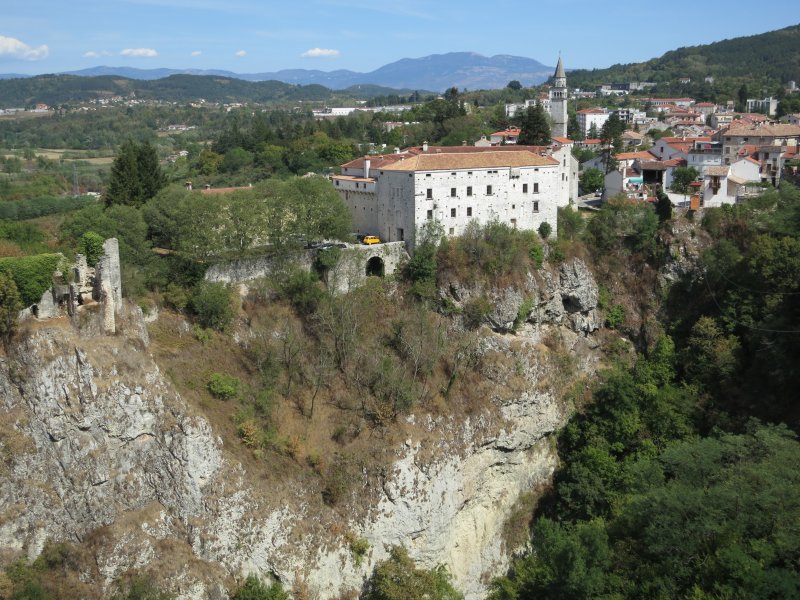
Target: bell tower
column 558, row 101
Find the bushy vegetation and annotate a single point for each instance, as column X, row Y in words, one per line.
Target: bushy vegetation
column 45, row 205
column 668, row 486
column 398, row 578
column 31, row 274
column 254, row 589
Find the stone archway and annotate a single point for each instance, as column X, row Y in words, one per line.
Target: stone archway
column 375, row 267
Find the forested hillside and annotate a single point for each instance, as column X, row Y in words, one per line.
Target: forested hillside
column 773, row 56
column 64, row 89
column 678, row 476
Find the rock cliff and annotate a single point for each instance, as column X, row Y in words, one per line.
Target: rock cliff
column 100, row 450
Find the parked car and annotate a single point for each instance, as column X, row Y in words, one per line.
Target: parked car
column 371, row 239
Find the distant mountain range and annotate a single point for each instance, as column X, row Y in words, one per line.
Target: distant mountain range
column 438, row 72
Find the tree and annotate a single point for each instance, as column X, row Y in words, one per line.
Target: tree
column 681, row 179
column 611, row 138
column 535, row 128
column 663, row 207
column 212, row 303
column 136, row 175
column 514, row 85
column 10, row 305
column 592, row 179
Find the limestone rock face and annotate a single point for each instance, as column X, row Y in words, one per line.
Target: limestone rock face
column 567, row 297
column 100, row 447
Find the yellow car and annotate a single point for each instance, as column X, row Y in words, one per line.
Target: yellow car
column 371, row 239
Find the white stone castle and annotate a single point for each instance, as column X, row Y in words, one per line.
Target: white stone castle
column 395, row 195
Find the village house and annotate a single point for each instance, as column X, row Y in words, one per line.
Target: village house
column 589, row 117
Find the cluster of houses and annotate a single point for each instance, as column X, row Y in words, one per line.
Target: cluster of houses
column 395, row 194
column 734, row 153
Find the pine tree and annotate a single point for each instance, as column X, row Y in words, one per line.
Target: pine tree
column 535, row 128
column 136, row 175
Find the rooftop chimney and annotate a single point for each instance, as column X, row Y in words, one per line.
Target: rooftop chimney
column 367, row 164
column 424, row 146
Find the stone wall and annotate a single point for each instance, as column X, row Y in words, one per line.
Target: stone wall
column 349, row 273
column 351, row 270
column 83, row 285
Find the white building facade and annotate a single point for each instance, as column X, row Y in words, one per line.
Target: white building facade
column 395, row 196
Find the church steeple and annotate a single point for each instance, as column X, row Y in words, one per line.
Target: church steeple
column 558, row 101
column 560, row 71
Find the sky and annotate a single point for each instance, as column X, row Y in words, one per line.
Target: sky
column 249, row 36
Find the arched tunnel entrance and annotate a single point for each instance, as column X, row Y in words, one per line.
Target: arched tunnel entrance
column 375, row 267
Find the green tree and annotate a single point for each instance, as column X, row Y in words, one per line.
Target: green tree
column 611, row 138
column 136, row 175
column 10, row 305
column 592, row 179
column 213, row 305
column 682, row 177
column 534, row 127
column 663, row 206
column 514, row 85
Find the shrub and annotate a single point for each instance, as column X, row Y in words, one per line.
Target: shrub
column 32, row 274
column 10, row 305
column 176, row 296
column 358, row 548
column 91, row 246
column 212, row 303
column 615, row 316
column 223, row 386
column 545, row 229
column 302, row 290
column 570, row 224
column 476, row 310
column 523, row 312
column 254, row 589
column 536, row 254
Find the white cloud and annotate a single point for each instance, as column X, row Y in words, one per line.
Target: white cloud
column 93, row 54
column 241, row 53
column 196, row 53
column 319, row 52
column 147, row 52
column 13, row 47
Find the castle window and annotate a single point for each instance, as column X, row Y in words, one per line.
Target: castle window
column 488, row 190
column 524, row 188
column 469, row 190
column 429, row 193
column 535, row 188
column 452, row 212
column 452, row 192
column 430, row 215
column 469, row 211
column 452, row 231
column 535, row 206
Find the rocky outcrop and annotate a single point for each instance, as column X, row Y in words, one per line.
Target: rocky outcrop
column 100, row 448
column 568, row 296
